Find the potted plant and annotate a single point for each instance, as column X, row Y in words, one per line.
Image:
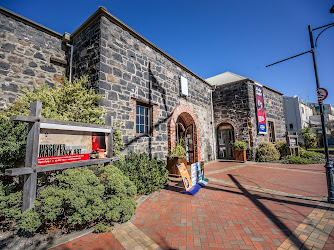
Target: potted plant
column 240, row 148
column 177, row 156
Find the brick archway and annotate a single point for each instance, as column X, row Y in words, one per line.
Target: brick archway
column 189, row 117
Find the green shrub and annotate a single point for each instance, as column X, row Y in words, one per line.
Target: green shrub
column 282, row 148
column 101, row 228
column 82, row 196
column 240, row 145
column 69, row 101
column 266, row 152
column 13, row 136
column 30, row 221
column 314, row 156
column 179, row 150
column 148, row 175
column 9, row 204
column 293, row 159
column 310, row 138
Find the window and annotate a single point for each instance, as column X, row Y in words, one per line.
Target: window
column 143, row 118
column 271, row 132
column 291, row 126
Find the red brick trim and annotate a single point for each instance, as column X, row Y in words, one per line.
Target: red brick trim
column 189, row 117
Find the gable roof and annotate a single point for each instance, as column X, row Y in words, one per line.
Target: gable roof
column 224, row 78
column 231, row 78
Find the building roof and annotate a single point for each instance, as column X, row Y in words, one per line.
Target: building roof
column 231, row 78
column 225, row 78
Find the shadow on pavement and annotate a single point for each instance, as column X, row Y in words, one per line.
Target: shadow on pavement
column 268, row 213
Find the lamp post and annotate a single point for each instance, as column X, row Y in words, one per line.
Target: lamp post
column 328, row 166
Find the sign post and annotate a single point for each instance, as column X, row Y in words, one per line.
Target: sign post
column 61, row 145
column 322, row 94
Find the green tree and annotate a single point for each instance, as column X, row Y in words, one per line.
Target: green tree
column 70, row 101
column 310, row 138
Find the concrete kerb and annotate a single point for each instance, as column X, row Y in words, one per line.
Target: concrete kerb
column 79, row 234
column 65, row 239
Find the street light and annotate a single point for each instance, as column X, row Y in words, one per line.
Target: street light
column 328, row 166
column 331, row 10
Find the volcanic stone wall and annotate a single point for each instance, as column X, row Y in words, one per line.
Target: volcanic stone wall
column 231, row 105
column 86, row 54
column 132, row 71
column 235, row 104
column 26, row 53
column 274, row 110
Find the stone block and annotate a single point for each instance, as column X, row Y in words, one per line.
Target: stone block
column 4, row 65
column 113, row 96
column 130, row 67
column 48, row 68
column 39, row 56
column 32, row 64
column 10, row 87
column 117, row 72
column 8, row 47
column 28, row 72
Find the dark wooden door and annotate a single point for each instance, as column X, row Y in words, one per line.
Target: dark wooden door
column 225, row 139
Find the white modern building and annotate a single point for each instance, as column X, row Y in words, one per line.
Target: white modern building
column 297, row 114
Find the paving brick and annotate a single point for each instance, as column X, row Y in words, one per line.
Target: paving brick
column 264, row 206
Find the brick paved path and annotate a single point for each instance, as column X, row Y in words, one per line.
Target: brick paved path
column 245, row 206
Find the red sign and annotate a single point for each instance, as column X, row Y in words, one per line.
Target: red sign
column 61, row 159
column 322, row 94
column 261, row 116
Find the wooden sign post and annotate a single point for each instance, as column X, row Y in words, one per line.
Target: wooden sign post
column 292, row 144
column 35, row 164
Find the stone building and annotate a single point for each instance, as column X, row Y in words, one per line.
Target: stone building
column 140, row 83
column 155, row 98
column 235, row 114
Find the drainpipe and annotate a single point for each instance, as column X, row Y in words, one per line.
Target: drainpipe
column 71, row 60
column 213, row 127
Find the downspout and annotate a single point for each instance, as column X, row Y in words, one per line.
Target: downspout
column 213, row 127
column 71, row 60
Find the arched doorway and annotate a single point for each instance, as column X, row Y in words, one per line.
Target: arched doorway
column 185, row 131
column 184, row 124
column 225, row 140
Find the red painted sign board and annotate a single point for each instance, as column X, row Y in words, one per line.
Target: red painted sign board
column 322, row 94
column 62, row 159
column 261, row 116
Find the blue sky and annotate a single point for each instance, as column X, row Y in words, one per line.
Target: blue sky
column 210, row 37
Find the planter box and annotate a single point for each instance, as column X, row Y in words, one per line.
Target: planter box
column 240, row 155
column 171, row 165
